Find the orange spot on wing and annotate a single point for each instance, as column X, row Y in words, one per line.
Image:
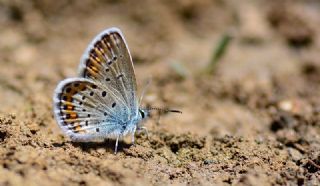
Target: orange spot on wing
column 92, row 72
column 97, row 59
column 94, row 62
column 78, row 129
column 70, row 115
column 104, row 45
column 99, row 52
column 69, row 107
column 67, row 103
column 94, row 68
column 73, row 115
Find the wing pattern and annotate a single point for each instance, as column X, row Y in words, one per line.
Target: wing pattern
column 102, row 100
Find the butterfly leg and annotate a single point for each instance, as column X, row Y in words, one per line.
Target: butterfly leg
column 116, row 147
column 145, row 131
column 133, row 133
column 158, row 120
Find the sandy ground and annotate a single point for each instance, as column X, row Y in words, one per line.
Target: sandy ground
column 254, row 120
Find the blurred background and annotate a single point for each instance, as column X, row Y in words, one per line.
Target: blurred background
column 248, row 69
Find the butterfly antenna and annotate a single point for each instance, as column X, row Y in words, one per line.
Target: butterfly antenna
column 144, row 90
column 161, row 110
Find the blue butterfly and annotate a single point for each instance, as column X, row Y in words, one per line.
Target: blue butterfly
column 102, row 102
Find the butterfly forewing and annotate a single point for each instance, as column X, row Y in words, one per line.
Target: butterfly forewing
column 87, row 111
column 107, row 60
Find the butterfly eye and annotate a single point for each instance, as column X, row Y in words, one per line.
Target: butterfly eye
column 142, row 113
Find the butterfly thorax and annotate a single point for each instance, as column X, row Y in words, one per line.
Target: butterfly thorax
column 135, row 121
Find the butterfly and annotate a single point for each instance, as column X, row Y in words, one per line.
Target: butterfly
column 102, row 101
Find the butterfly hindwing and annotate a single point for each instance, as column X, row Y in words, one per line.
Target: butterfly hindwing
column 107, row 60
column 87, row 110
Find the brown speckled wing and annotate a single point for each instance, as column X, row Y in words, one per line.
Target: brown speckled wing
column 107, row 61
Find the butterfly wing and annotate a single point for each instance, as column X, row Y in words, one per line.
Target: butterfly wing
column 89, row 111
column 107, row 60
